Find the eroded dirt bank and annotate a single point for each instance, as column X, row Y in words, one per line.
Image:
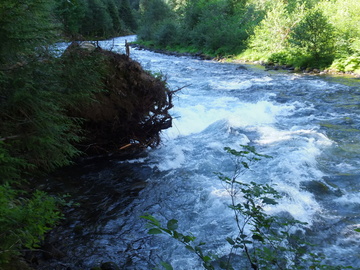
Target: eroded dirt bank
column 131, row 110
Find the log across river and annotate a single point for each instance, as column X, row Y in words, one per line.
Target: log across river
column 310, row 125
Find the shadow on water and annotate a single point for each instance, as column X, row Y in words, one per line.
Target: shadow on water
column 99, row 188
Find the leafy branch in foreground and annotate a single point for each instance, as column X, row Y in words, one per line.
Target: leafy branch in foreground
column 264, row 241
column 188, row 241
column 25, row 219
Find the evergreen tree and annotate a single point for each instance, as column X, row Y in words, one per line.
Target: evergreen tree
column 26, row 27
column 153, row 14
column 113, row 11
column 97, row 21
column 126, row 14
column 71, row 13
column 36, row 135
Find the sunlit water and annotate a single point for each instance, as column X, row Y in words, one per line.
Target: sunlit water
column 308, row 124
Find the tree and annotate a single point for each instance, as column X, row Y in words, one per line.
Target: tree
column 113, row 11
column 344, row 16
column 36, row 135
column 271, row 35
column 126, row 14
column 26, row 27
column 153, row 14
column 71, row 13
column 314, row 37
column 97, row 22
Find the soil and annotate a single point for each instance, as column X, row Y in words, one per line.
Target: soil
column 132, row 110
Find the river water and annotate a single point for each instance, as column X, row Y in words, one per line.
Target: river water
column 308, row 124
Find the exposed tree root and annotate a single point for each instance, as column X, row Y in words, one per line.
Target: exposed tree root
column 131, row 112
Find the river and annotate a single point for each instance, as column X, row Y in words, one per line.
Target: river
column 309, row 125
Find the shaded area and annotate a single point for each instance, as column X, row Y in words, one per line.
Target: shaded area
column 102, row 189
column 130, row 112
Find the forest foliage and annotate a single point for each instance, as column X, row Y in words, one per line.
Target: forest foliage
column 304, row 34
column 37, row 90
column 96, row 19
column 36, row 135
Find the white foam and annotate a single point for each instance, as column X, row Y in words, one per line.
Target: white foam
column 300, row 204
column 175, row 157
column 194, row 118
column 350, row 198
column 270, row 135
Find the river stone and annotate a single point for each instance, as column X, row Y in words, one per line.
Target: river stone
column 87, row 46
column 241, row 67
column 109, row 266
column 320, row 189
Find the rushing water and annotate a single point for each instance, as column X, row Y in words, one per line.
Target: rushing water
column 308, row 124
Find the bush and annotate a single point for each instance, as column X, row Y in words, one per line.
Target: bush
column 24, row 221
column 166, row 34
column 348, row 64
column 314, row 38
column 280, row 58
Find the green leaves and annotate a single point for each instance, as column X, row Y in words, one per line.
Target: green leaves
column 230, row 241
column 24, row 221
column 166, row 265
column 155, row 231
column 112, row 17
column 187, row 240
column 266, row 200
column 153, row 221
column 314, row 36
column 26, row 27
column 172, row 224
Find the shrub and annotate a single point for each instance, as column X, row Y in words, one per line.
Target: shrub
column 166, row 34
column 24, row 221
column 280, row 58
column 348, row 64
column 314, row 38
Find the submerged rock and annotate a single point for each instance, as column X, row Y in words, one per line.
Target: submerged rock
column 109, row 266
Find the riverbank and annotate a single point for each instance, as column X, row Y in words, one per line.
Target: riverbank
column 267, row 66
column 289, row 68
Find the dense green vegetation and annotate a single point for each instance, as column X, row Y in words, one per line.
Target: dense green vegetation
column 36, row 91
column 36, row 136
column 304, row 34
column 95, row 18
